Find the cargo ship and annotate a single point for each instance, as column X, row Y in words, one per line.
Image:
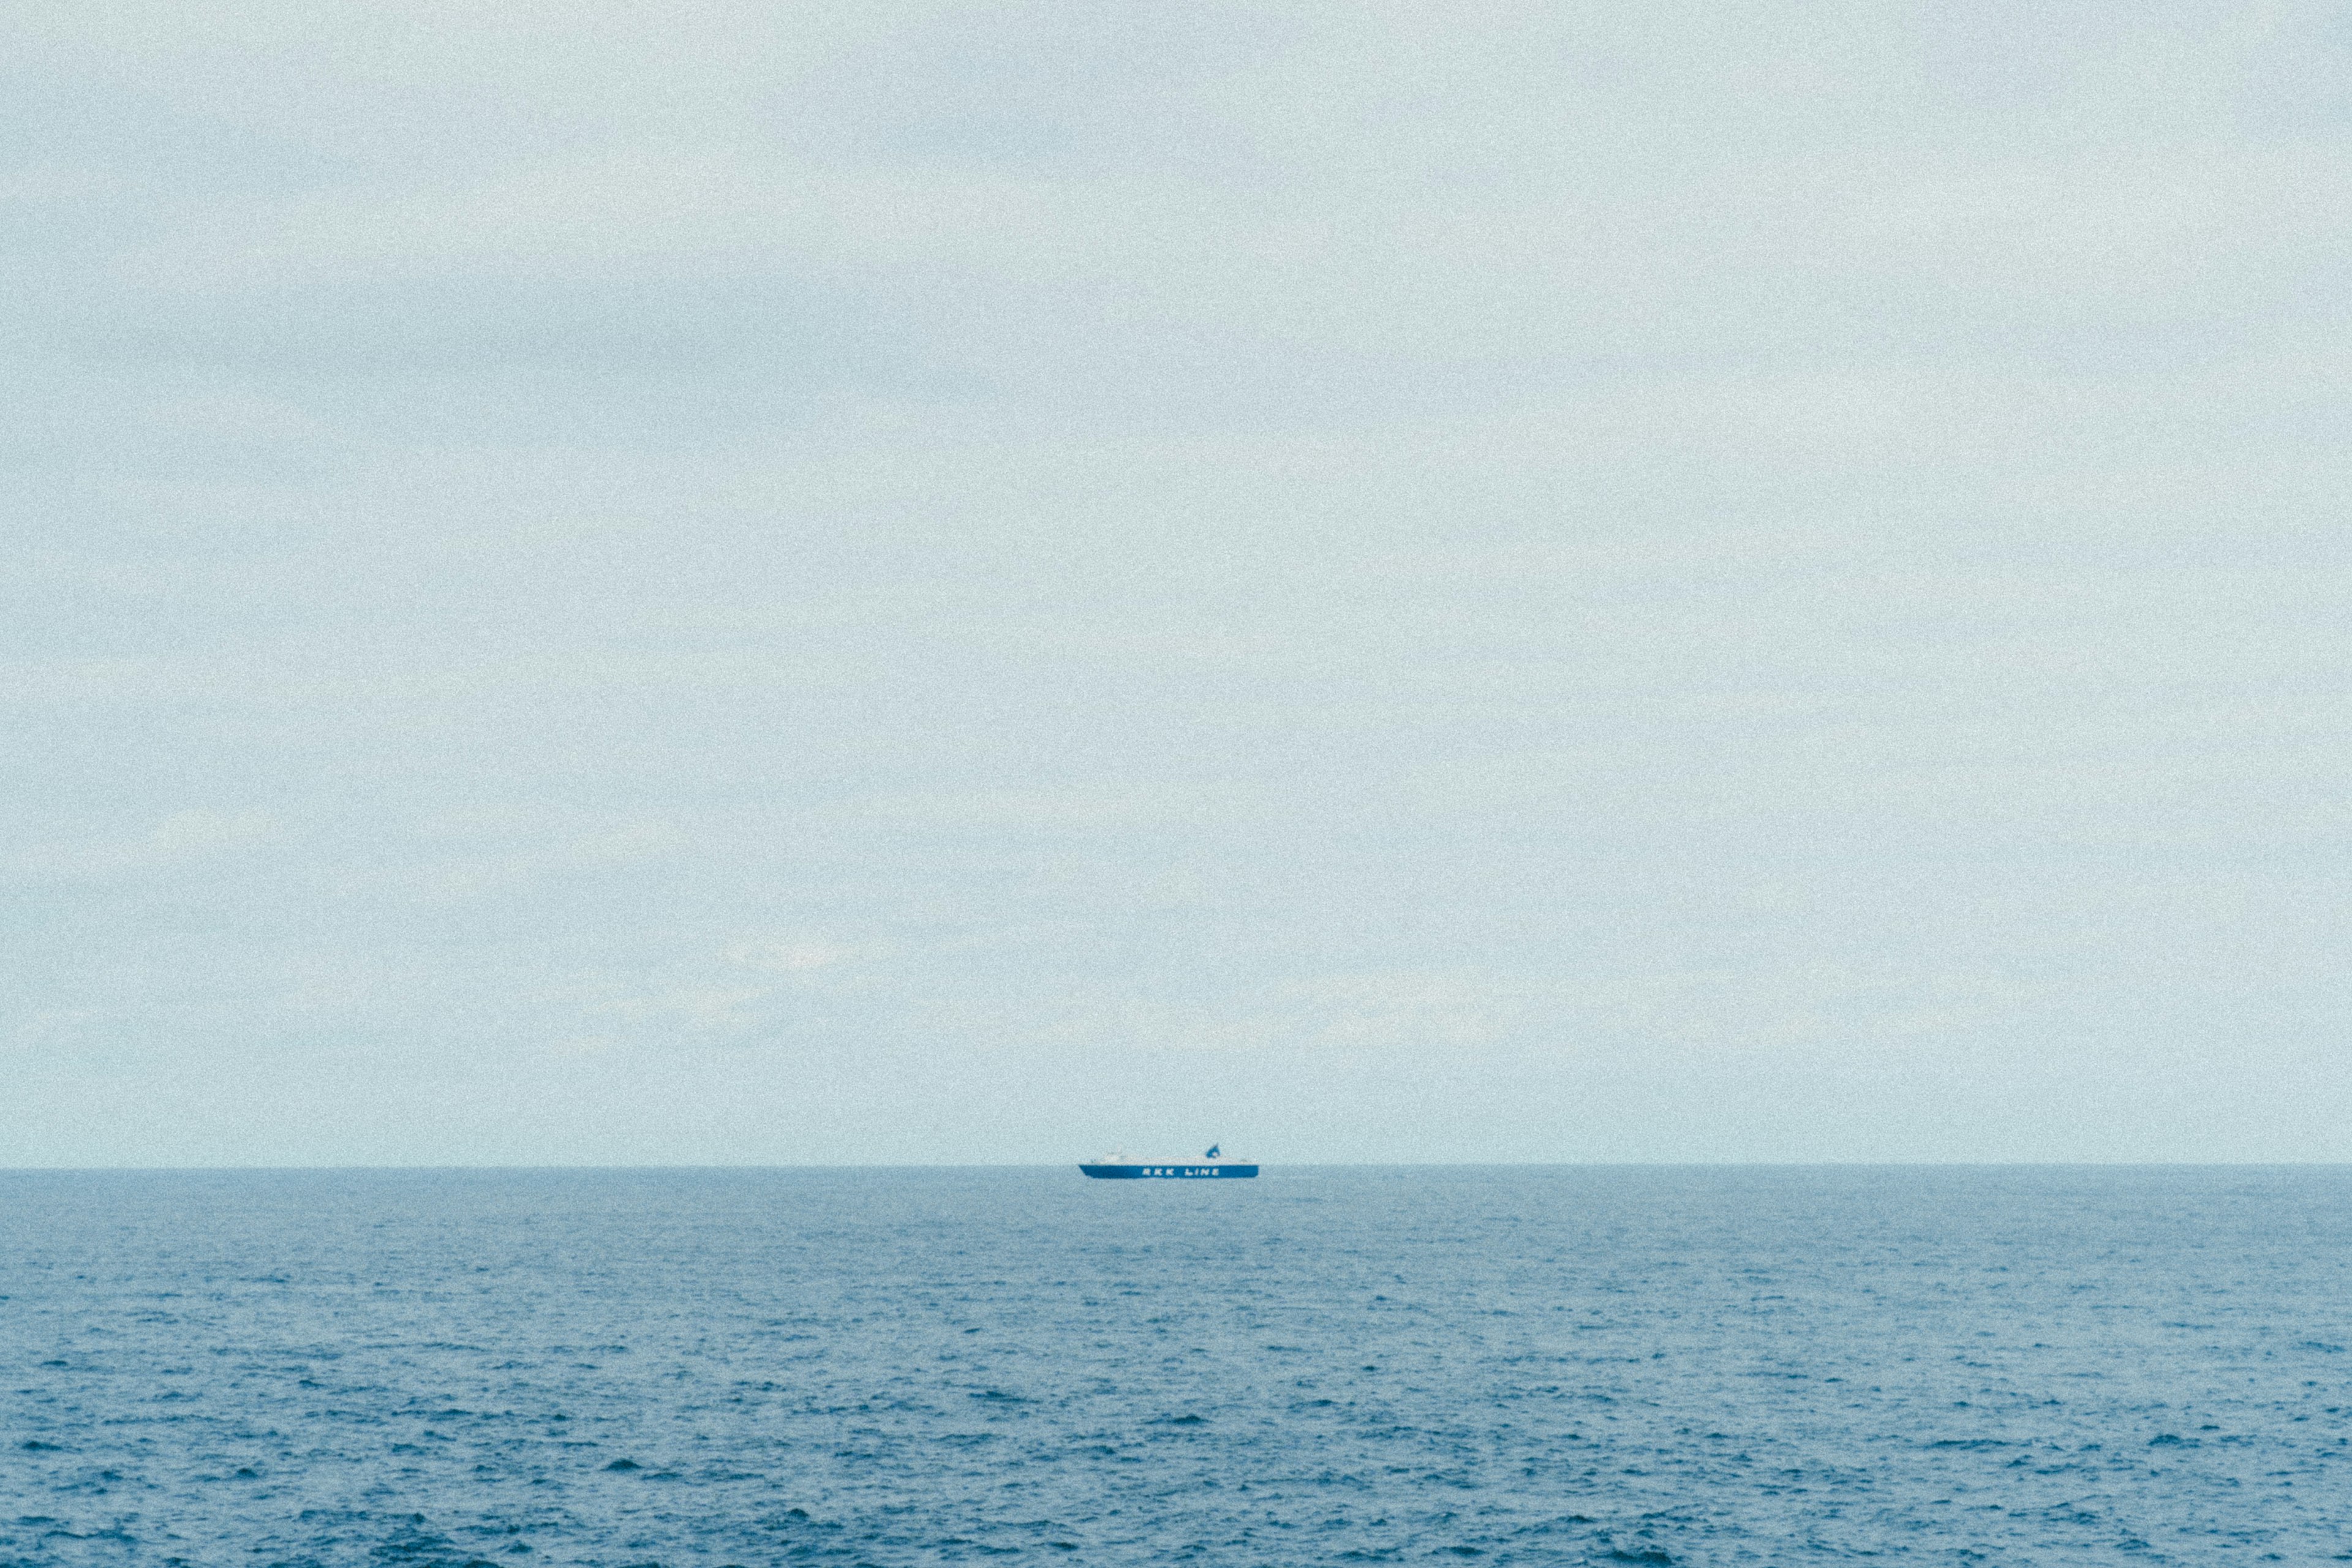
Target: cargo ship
column 1120, row 1168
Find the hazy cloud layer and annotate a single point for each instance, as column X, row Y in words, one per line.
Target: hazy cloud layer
column 965, row 582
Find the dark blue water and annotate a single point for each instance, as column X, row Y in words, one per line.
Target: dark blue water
column 1514, row 1367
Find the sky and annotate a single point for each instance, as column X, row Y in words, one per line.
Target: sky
column 930, row 582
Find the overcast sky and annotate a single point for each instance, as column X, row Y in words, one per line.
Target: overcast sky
column 888, row 583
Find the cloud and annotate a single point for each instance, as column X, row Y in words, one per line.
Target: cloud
column 701, row 1009
column 1054, row 811
column 180, row 842
column 1395, row 208
column 790, row 955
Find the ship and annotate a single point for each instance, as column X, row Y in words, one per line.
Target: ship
column 1120, row 1168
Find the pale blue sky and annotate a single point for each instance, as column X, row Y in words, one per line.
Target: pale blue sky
column 750, row 582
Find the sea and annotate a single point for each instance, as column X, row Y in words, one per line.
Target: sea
column 1326, row 1365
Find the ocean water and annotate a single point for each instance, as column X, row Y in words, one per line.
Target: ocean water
column 1504, row 1366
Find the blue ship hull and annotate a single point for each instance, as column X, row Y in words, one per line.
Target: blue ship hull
column 1179, row 1172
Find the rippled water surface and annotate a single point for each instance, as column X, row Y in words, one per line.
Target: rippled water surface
column 1528, row 1366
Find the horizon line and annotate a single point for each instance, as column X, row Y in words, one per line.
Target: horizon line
column 1288, row 1166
